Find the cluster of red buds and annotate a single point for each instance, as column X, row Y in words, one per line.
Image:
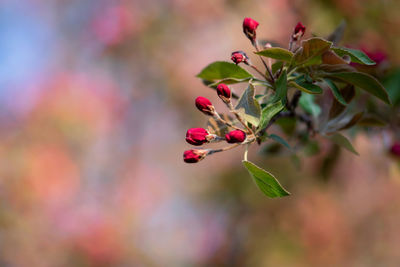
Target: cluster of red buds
column 237, row 136
column 200, row 136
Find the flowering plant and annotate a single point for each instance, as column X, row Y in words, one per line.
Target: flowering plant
column 311, row 83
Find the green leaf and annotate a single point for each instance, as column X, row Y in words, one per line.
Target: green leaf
column 370, row 120
column 307, row 103
column 392, row 84
column 311, row 48
column 265, row 181
column 339, row 124
column 335, row 91
column 337, row 108
column 331, row 58
column 276, row 66
column 248, row 107
column 280, row 88
column 223, row 70
column 355, row 55
column 268, row 113
column 343, row 142
column 280, row 140
column 306, row 87
column 353, row 121
column 365, row 82
column 335, row 68
column 276, row 53
column 229, row 81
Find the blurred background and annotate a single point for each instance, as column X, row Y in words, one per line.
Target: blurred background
column 95, row 100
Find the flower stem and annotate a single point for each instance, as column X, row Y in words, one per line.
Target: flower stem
column 218, row 117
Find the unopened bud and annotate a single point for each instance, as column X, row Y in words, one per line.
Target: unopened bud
column 235, row 136
column 205, row 105
column 249, row 29
column 239, row 56
column 224, row 92
column 299, row 31
column 199, row 136
column 194, row 155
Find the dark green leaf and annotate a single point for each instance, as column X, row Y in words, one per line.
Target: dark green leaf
column 335, row 91
column 265, row 181
column 356, row 118
column 311, row 48
column 276, row 66
column 223, row 70
column 337, row 108
column 392, row 83
column 343, row 142
column 372, row 121
column 268, row 112
column 355, row 55
column 365, row 82
column 306, row 87
column 281, row 88
column 276, row 53
column 280, row 140
column 248, row 106
column 335, row 68
column 308, row 104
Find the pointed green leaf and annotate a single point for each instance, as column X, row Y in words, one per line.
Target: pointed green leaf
column 335, row 91
column 343, row 142
column 307, row 103
column 280, row 140
column 355, row 55
column 248, row 106
column 331, row 58
column 265, row 181
column 306, row 87
column 276, row 66
column 365, row 82
column 311, row 48
column 348, row 92
column 392, row 84
column 353, row 121
column 223, row 70
column 276, row 53
column 370, row 120
column 268, row 113
column 335, row 68
column 280, row 88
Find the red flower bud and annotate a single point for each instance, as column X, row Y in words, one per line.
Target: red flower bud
column 194, row 155
column 395, row 149
column 236, row 136
column 239, row 56
column 249, row 28
column 198, row 136
column 205, row 106
column 224, row 92
column 299, row 31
